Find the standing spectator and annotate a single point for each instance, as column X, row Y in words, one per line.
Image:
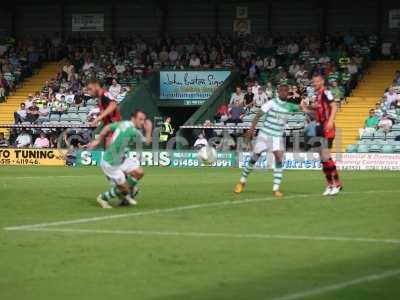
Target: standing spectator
column 42, row 141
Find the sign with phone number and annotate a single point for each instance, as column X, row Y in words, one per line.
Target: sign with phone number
column 189, row 159
column 32, row 157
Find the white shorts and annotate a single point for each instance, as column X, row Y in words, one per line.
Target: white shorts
column 117, row 173
column 265, row 143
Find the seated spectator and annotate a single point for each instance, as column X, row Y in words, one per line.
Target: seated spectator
column 194, row 61
column 59, row 106
column 249, row 98
column 2, row 93
column 337, row 92
column 200, row 142
column 237, row 96
column 260, row 98
column 20, row 115
column 391, row 98
column 24, row 139
column 3, row 141
column 41, row 141
column 115, row 89
column 222, row 113
column 236, row 113
column 385, row 124
column 370, row 124
column 32, row 113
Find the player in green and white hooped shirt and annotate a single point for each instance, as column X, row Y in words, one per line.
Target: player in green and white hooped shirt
column 270, row 137
column 122, row 171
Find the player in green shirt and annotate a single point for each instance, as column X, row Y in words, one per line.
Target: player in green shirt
column 270, row 137
column 122, row 171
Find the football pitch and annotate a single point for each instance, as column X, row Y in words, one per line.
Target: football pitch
column 190, row 237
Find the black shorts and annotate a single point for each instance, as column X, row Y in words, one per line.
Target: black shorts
column 324, row 142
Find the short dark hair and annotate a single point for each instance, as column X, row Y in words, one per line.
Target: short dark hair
column 136, row 112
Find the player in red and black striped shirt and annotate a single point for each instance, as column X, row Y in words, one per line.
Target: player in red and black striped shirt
column 109, row 110
column 325, row 112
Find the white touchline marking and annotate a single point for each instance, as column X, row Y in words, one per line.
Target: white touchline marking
column 339, row 286
column 175, row 209
column 218, row 235
column 151, row 212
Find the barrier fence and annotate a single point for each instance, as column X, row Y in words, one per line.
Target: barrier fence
column 189, row 159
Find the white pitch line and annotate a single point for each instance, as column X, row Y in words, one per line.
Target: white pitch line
column 340, row 286
column 173, row 209
column 151, row 212
column 218, row 235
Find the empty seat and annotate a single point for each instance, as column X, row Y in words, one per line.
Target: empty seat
column 352, row 148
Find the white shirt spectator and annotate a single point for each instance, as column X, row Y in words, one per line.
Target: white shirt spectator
column 23, row 140
column 255, row 88
column 293, row 48
column 260, row 99
column 236, row 97
column 120, row 68
column 87, row 65
column 352, row 68
column 293, row 69
column 391, row 97
column 115, row 90
column 194, row 62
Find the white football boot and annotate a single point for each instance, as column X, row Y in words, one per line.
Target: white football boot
column 103, row 203
column 327, row 191
column 335, row 190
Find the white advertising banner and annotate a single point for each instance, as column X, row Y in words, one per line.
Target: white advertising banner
column 344, row 161
column 87, row 22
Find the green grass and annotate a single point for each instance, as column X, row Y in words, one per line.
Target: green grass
column 234, row 265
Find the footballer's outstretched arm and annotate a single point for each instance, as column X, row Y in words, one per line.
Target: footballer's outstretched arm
column 103, row 134
column 108, row 111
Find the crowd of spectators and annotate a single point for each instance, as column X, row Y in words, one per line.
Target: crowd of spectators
column 386, row 113
column 264, row 61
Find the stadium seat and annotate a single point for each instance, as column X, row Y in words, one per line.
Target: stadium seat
column 387, row 148
column 54, row 117
column 392, row 135
column 352, row 148
column 363, row 148
column 83, row 109
column 396, row 127
column 64, row 118
column 367, row 135
column 72, row 109
column 379, row 135
column 375, row 148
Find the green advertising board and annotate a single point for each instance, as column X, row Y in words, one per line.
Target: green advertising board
column 174, row 159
